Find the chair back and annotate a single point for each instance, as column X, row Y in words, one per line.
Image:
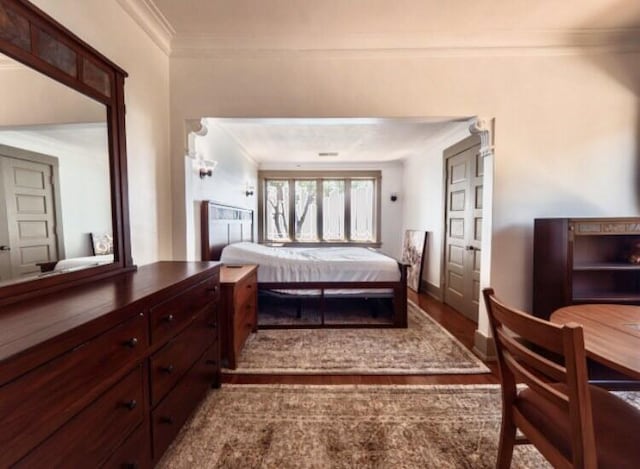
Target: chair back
column 527, row 348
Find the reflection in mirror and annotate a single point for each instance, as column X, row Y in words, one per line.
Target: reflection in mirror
column 55, row 193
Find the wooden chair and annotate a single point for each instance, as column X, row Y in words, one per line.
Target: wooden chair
column 572, row 423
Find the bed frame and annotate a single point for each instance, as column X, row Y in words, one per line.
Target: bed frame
column 221, row 225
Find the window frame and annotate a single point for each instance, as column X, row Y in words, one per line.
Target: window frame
column 319, row 177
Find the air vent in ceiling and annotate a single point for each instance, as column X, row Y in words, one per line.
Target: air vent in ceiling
column 325, row 154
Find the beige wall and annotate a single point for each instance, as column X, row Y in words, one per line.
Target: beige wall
column 566, row 124
column 106, row 27
column 566, row 120
column 424, row 200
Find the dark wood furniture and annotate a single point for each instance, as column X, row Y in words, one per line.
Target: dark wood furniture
column 107, row 372
column 35, row 39
column 584, row 260
column 221, row 225
column 238, row 309
column 572, row 423
column 611, row 334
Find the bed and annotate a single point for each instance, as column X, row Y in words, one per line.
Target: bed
column 322, row 272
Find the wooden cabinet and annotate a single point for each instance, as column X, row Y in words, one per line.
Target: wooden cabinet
column 239, row 304
column 584, row 260
column 93, row 375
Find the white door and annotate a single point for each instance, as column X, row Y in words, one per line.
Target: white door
column 463, row 237
column 28, row 237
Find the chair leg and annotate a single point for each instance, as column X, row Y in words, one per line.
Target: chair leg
column 507, row 440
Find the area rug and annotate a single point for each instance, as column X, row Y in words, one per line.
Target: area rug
column 253, row 426
column 424, row 347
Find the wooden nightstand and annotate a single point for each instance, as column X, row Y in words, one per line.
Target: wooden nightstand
column 239, row 309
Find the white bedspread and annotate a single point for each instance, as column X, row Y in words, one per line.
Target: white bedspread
column 313, row 264
column 75, row 263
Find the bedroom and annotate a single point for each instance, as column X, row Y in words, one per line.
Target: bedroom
column 535, row 72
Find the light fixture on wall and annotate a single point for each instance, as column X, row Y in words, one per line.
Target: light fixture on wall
column 249, row 190
column 206, row 168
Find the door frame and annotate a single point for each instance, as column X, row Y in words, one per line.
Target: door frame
column 53, row 162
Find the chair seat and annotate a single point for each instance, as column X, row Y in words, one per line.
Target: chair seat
column 616, row 426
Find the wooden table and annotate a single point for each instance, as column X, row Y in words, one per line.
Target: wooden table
column 611, row 334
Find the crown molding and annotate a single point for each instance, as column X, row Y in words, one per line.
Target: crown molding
column 438, row 44
column 149, row 17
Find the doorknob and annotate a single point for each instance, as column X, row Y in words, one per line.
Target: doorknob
column 5, row 248
column 469, row 248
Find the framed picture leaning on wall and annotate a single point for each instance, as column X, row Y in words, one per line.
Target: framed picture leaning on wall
column 414, row 246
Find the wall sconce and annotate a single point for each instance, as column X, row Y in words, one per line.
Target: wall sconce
column 206, row 168
column 394, row 196
column 249, row 190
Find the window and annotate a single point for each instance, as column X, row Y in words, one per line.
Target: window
column 313, row 207
column 277, row 210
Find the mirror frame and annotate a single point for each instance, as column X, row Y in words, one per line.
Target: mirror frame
column 33, row 38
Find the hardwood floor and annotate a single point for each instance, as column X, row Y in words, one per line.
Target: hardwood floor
column 462, row 328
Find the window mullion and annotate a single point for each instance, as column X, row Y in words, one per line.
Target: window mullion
column 319, row 212
column 292, row 209
column 347, row 209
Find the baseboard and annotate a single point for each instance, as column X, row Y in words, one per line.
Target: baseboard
column 484, row 346
column 431, row 289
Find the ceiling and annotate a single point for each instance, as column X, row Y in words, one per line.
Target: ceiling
column 326, row 17
column 355, row 140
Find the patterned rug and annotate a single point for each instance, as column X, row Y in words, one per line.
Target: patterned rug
column 422, row 348
column 253, row 426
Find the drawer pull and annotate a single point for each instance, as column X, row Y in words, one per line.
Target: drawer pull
column 131, row 465
column 211, row 362
column 167, row 369
column 212, row 325
column 132, row 404
column 250, row 286
column 167, row 420
column 213, row 290
column 169, row 318
column 132, row 342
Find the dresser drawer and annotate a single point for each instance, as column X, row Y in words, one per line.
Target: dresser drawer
column 245, row 288
column 45, row 398
column 244, row 322
column 175, row 358
column 174, row 410
column 92, row 436
column 135, row 453
column 169, row 317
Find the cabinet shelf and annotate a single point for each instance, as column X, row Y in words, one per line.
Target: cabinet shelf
column 610, row 266
column 631, row 298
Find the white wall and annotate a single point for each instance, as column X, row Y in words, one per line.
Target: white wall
column 106, row 27
column 566, row 123
column 234, row 171
column 424, row 199
column 392, row 181
column 83, row 168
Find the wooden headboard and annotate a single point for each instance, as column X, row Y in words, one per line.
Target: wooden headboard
column 221, row 225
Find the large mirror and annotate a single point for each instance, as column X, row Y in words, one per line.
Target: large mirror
column 55, row 194
column 63, row 181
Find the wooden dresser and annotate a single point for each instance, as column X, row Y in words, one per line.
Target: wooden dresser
column 105, row 374
column 239, row 305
